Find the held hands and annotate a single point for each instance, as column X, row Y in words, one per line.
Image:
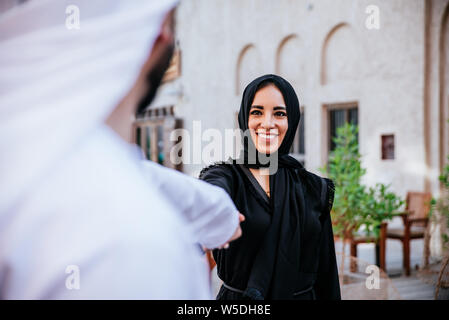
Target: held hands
column 237, row 233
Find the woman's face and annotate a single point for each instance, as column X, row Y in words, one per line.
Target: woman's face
column 267, row 120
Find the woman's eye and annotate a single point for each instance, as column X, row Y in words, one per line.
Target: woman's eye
column 280, row 114
column 256, row 112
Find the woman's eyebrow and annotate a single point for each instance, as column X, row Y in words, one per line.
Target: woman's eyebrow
column 257, row 107
column 280, row 108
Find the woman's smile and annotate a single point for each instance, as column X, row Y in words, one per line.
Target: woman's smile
column 267, row 136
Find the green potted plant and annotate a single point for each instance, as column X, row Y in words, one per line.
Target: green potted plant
column 355, row 205
column 344, row 168
column 380, row 205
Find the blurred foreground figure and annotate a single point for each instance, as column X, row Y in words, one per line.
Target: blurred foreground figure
column 81, row 217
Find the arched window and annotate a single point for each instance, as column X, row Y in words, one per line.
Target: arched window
column 340, row 55
column 248, row 67
column 290, row 61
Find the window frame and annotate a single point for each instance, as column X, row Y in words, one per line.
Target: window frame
column 327, row 108
column 153, row 120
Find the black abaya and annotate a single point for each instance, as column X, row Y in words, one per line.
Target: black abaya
column 317, row 275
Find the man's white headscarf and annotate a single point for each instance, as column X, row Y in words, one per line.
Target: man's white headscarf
column 58, row 83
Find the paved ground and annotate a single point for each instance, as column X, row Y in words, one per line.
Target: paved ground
column 408, row 288
column 413, row 288
column 420, row 285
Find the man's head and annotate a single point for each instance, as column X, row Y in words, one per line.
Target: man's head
column 145, row 87
column 93, row 75
column 158, row 61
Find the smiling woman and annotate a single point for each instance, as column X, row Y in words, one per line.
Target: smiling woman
column 286, row 250
column 267, row 123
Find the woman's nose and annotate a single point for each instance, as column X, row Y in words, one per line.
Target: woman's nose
column 268, row 121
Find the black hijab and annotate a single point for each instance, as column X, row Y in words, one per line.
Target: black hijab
column 275, row 271
column 252, row 159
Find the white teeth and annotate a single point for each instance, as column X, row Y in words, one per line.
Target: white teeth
column 267, row 136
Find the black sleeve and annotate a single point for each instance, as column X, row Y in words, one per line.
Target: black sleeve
column 327, row 286
column 218, row 175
